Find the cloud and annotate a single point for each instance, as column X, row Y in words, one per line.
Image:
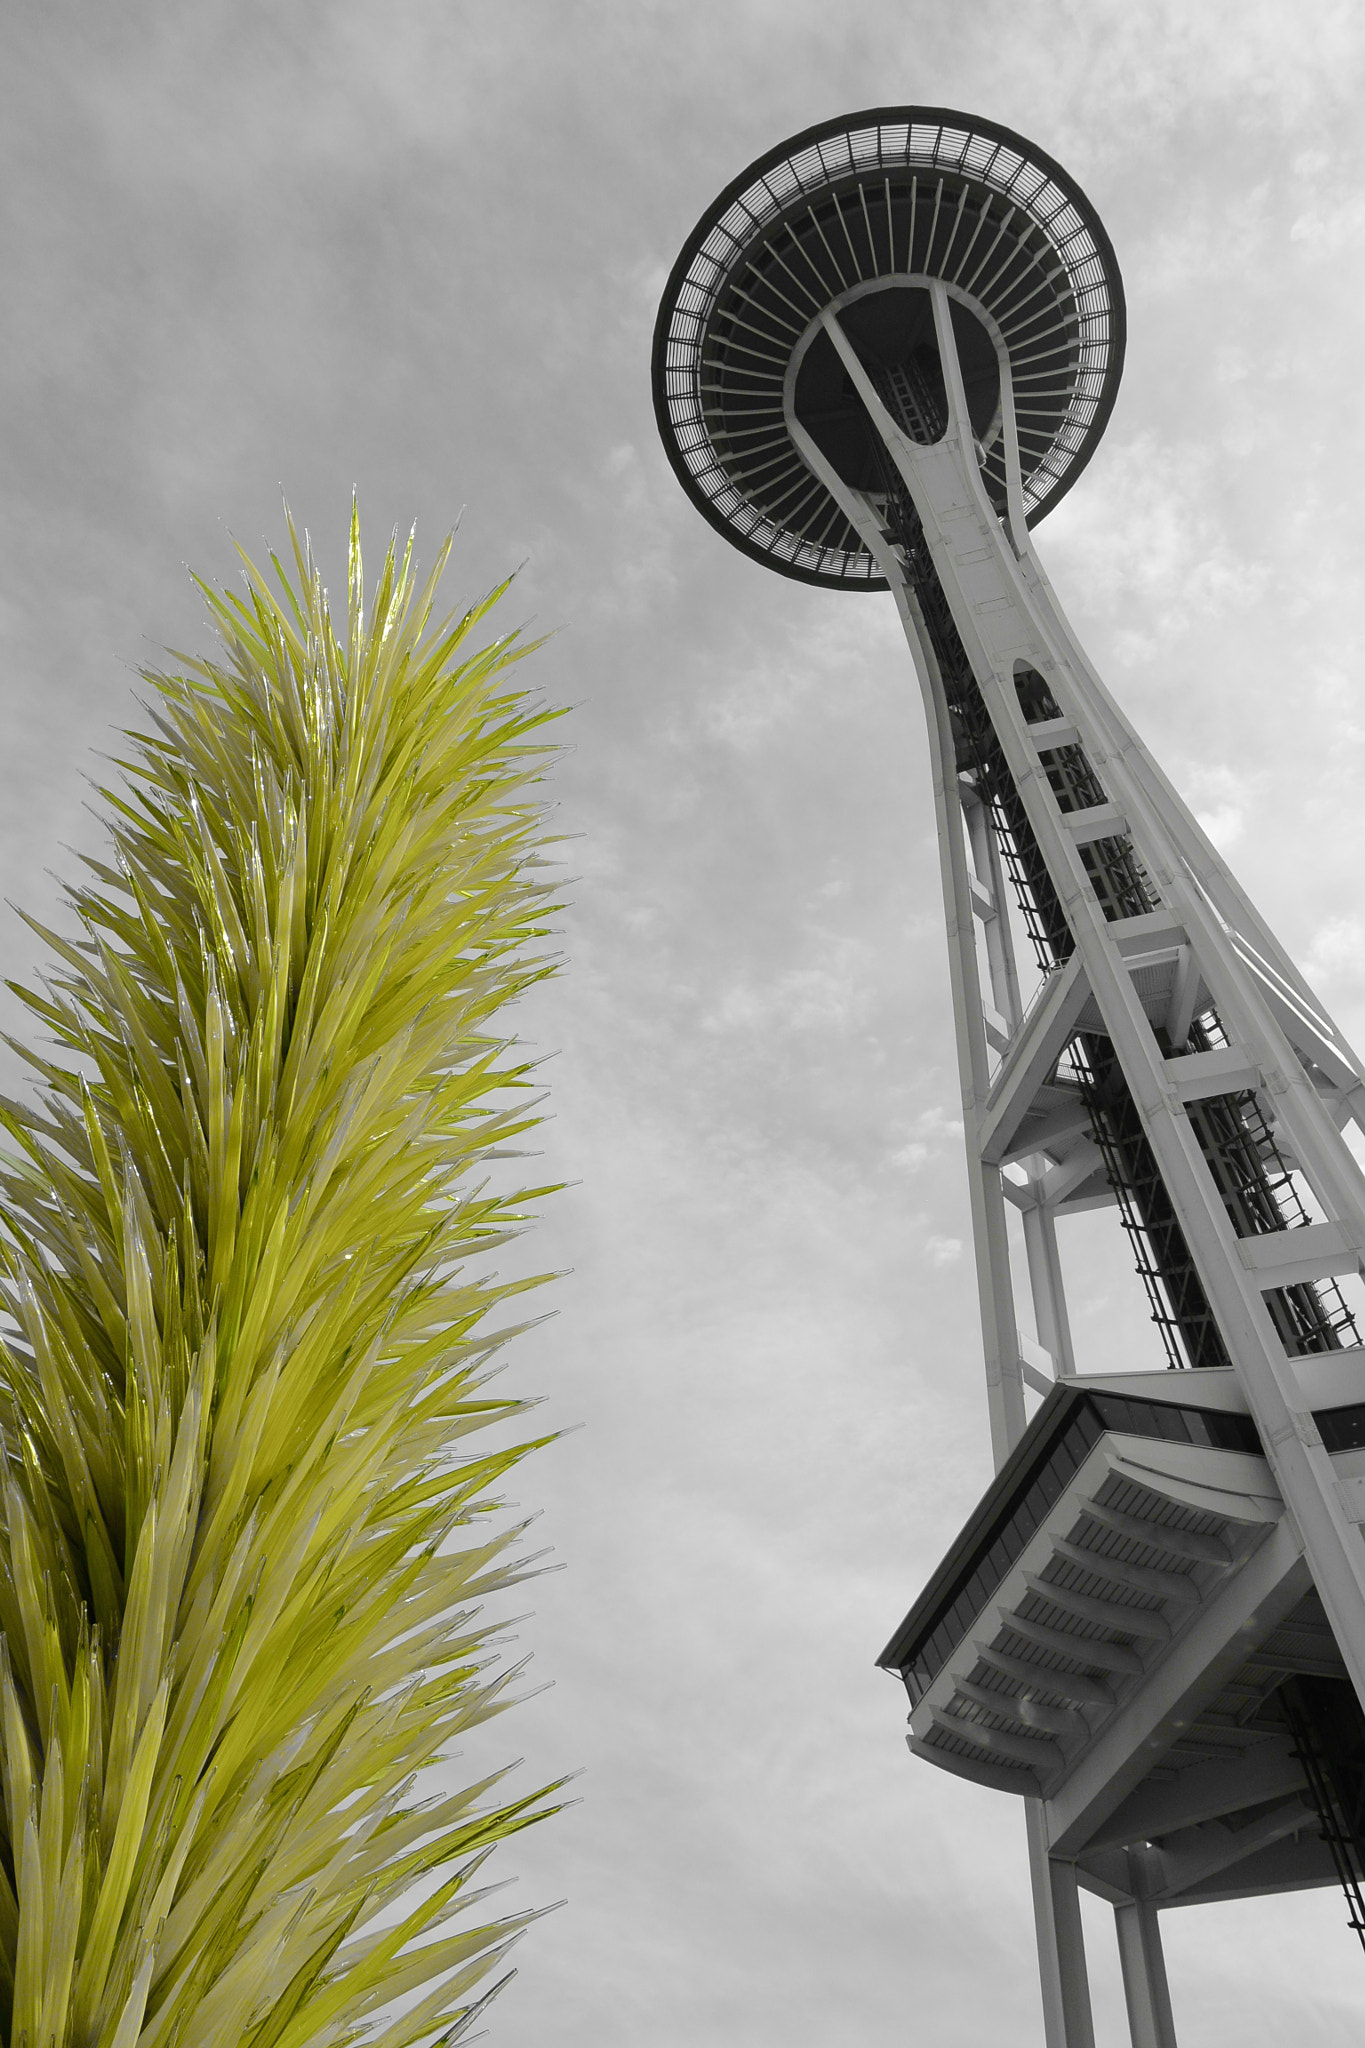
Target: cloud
column 1156, row 554
column 1334, row 223
column 1336, row 954
column 805, row 998
column 1223, row 825
column 418, row 250
column 1220, row 797
column 931, row 1135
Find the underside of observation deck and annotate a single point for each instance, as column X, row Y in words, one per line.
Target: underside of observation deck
column 861, row 211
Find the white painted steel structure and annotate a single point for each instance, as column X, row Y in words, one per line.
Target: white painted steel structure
column 802, row 433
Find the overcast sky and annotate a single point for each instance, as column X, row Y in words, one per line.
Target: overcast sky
column 416, row 247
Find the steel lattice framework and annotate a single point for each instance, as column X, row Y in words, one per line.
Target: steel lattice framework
column 888, row 348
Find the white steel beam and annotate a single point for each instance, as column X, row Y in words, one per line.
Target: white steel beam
column 1145, row 1989
column 1037, row 1046
column 1152, row 931
column 1067, row 2018
column 1096, row 821
column 1294, row 1864
column 1203, row 1792
column 1286, row 1258
column 1186, row 1861
column 1199, row 857
column 1061, row 1945
column 1225, row 1071
column 1082, row 1162
column 1050, row 733
column 1184, row 994
column 1004, row 1377
column 1051, row 1131
column 989, row 895
column 1273, row 1579
column 1045, row 1284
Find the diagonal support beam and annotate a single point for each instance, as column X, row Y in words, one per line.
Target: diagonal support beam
column 1269, row 1770
column 1081, row 1164
column 1053, row 1132
column 1273, row 1579
column 1187, row 1860
column 1033, row 1052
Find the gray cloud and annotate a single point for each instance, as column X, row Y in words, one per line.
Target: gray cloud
column 417, row 250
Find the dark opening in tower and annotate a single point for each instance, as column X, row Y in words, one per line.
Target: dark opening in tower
column 1328, row 1732
column 892, row 330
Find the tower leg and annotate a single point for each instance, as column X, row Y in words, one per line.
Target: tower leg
column 1067, row 2018
column 1144, row 1975
column 1049, row 1294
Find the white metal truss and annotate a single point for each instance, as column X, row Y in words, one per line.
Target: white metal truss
column 1199, row 945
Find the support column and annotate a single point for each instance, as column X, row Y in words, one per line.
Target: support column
column 1144, row 1975
column 1004, row 976
column 1067, row 2018
column 1049, row 1293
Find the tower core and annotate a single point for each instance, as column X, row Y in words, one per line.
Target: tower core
column 884, row 353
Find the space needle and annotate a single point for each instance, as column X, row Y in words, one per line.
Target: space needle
column 885, row 352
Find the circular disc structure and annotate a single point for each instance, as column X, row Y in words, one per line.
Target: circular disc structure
column 850, row 213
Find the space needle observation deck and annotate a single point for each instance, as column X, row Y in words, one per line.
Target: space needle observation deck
column 856, row 224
